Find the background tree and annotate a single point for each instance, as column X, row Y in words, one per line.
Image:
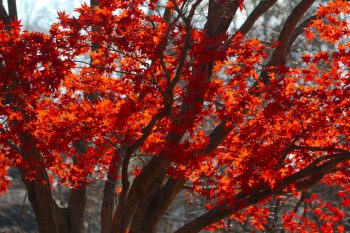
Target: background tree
column 166, row 102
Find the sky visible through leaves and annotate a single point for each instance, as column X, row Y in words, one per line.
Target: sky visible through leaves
column 40, row 14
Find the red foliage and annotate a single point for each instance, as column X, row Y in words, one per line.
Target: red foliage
column 128, row 93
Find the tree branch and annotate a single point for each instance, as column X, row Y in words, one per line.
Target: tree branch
column 109, row 194
column 3, row 15
column 223, row 210
column 12, row 9
column 299, row 30
column 259, row 10
column 320, row 148
column 279, row 53
column 220, row 15
column 243, row 200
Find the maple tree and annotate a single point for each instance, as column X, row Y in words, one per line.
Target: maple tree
column 153, row 102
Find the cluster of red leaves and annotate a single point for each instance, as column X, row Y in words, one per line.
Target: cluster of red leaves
column 79, row 103
column 327, row 218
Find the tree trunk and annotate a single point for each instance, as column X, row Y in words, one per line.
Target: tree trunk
column 108, row 205
column 44, row 206
column 144, row 210
column 155, row 206
column 39, row 192
column 50, row 217
column 109, row 194
column 76, row 209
